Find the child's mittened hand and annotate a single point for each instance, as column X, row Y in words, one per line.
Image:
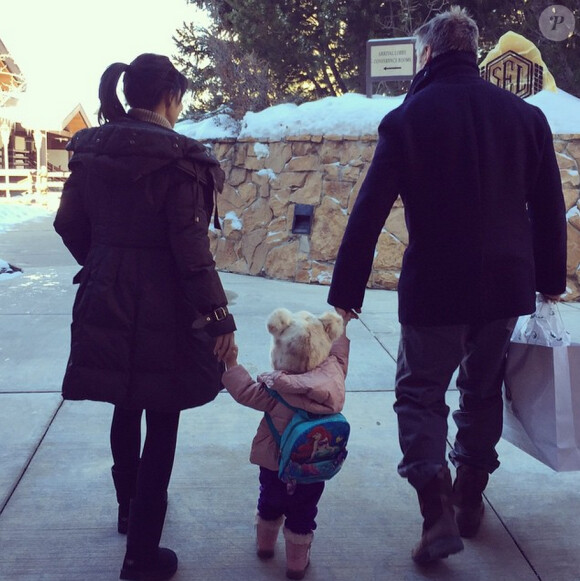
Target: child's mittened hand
column 347, row 316
column 231, row 357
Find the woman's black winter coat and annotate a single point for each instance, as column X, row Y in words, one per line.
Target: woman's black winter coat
column 135, row 214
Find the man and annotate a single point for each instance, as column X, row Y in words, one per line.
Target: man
column 477, row 173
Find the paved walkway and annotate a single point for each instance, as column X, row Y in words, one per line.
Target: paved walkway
column 57, row 506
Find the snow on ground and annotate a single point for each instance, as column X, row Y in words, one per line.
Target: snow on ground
column 14, row 211
column 8, row 270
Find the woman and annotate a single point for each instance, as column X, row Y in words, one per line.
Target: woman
column 150, row 324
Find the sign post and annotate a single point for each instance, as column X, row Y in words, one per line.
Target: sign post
column 390, row 59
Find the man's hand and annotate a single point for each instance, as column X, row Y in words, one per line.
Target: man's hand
column 551, row 298
column 347, row 315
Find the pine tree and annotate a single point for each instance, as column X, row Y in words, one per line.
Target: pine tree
column 261, row 52
column 310, row 48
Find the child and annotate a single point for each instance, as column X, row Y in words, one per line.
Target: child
column 310, row 358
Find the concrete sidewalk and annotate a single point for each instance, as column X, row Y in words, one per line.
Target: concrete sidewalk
column 58, row 510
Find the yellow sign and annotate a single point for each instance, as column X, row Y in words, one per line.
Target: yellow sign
column 515, row 64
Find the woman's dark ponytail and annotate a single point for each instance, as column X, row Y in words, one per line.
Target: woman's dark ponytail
column 111, row 108
column 147, row 80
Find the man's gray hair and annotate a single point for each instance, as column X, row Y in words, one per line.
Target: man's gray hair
column 451, row 30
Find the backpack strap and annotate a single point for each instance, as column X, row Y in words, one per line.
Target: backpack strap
column 278, row 397
column 273, row 429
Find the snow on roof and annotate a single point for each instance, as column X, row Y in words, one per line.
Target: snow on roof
column 351, row 114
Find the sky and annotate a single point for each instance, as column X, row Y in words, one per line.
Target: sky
column 63, row 46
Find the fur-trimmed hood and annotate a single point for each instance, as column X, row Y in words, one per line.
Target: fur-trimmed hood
column 130, row 149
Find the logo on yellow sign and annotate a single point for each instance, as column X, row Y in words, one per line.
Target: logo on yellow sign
column 515, row 64
column 516, row 74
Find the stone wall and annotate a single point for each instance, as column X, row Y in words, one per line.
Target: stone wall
column 568, row 153
column 265, row 180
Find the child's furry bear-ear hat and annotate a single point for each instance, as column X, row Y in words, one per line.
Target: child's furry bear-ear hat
column 301, row 341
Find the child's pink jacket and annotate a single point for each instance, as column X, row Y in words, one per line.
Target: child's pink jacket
column 319, row 391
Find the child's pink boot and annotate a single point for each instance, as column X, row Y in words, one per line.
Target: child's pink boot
column 266, row 536
column 297, row 553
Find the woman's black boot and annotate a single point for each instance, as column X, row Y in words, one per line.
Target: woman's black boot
column 125, row 482
column 144, row 559
column 157, row 567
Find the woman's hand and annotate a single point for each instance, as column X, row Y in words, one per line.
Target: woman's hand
column 224, row 347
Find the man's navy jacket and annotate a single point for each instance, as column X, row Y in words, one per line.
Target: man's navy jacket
column 476, row 170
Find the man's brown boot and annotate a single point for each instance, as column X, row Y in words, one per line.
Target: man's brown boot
column 440, row 537
column 468, row 488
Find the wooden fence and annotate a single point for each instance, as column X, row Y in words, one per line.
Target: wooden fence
column 17, row 182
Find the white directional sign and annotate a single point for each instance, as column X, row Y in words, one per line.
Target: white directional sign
column 390, row 59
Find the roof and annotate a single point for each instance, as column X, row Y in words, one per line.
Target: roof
column 19, row 103
column 31, row 114
column 77, row 119
column 11, row 80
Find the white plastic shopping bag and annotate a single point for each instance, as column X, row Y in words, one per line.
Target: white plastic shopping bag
column 544, row 327
column 542, row 391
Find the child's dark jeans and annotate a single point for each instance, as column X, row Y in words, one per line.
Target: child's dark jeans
column 300, row 507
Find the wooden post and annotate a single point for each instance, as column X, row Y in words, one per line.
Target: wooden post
column 38, row 144
column 5, row 137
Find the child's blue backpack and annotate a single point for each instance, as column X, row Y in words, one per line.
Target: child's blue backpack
column 312, row 447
